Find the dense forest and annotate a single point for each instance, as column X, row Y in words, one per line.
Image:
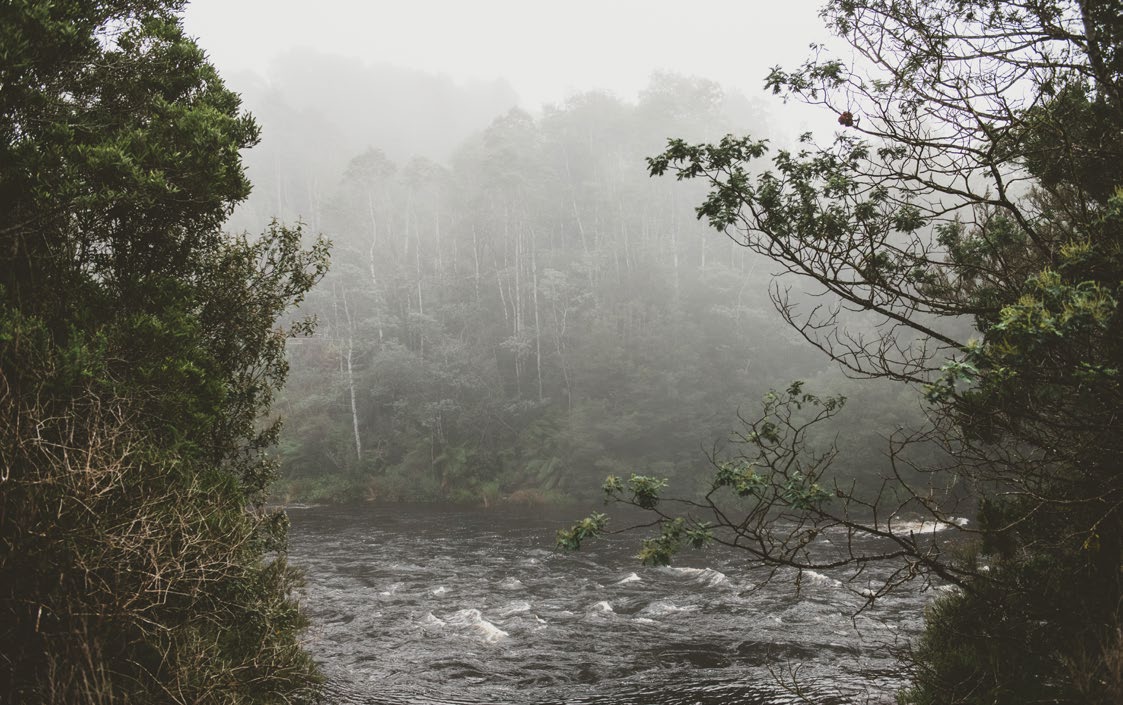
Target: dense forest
column 532, row 312
column 818, row 351
column 139, row 354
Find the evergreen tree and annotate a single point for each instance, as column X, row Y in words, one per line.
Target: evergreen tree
column 139, row 350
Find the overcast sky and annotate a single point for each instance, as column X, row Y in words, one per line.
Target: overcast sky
column 545, row 50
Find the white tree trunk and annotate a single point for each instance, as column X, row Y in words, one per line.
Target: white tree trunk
column 351, row 379
column 537, row 324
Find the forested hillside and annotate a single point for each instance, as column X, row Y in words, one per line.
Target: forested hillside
column 538, row 313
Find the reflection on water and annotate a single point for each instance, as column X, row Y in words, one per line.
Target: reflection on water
column 428, row 605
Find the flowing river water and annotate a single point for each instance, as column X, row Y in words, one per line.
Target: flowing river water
column 423, row 605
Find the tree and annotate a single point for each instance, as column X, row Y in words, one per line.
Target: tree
column 139, row 351
column 527, row 319
column 970, row 208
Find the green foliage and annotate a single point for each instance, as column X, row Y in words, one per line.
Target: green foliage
column 967, row 655
column 139, row 351
column 774, row 472
column 645, row 490
column 802, row 493
column 590, row 527
column 975, row 178
column 741, row 477
column 673, row 534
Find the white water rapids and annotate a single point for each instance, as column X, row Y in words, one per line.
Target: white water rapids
column 424, row 605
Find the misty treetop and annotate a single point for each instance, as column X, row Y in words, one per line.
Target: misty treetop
column 534, row 315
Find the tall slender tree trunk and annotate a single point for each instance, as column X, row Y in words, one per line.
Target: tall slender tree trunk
column 502, row 295
column 417, row 269
column 351, row 379
column 420, row 298
column 516, row 297
column 537, row 324
column 313, row 204
column 559, row 344
column 518, row 269
column 437, row 238
column 372, row 258
column 590, row 270
column 476, row 259
column 373, row 238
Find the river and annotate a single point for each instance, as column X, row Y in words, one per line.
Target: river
column 424, row 605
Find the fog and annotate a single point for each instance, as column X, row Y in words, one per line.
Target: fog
column 545, row 51
column 516, row 309
column 627, row 352
column 416, row 79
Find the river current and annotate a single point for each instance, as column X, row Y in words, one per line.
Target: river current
column 422, row 606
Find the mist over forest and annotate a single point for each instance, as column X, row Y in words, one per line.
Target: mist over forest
column 579, row 353
column 515, row 308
